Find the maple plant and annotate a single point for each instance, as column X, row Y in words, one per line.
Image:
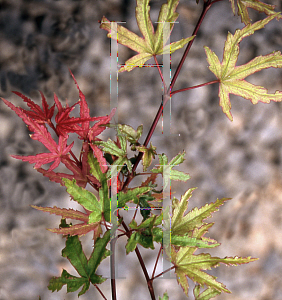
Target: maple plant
column 100, row 177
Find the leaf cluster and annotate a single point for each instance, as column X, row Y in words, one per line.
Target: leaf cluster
column 98, row 179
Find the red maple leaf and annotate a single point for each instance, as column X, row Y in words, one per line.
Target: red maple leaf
column 36, row 120
column 57, row 153
column 40, row 132
column 41, row 116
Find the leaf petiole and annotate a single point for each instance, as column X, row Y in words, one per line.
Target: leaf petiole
column 194, row 87
column 156, row 263
column 173, row 267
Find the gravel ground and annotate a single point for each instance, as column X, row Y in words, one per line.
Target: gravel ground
column 39, row 41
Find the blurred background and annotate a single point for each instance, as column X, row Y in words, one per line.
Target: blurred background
column 39, row 41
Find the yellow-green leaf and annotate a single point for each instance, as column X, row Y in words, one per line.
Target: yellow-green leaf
column 189, row 265
column 231, row 77
column 206, row 294
column 173, row 174
column 181, row 224
column 152, row 42
column 257, row 5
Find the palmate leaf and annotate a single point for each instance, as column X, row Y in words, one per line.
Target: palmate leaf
column 189, row 265
column 152, row 42
column 173, row 174
column 181, row 224
column 192, row 227
column 131, row 194
column 184, row 240
column 87, row 199
column 143, row 234
column 231, row 78
column 77, row 229
column 41, row 134
column 257, row 5
column 165, row 297
column 206, row 294
column 96, row 171
column 85, row 268
column 148, row 155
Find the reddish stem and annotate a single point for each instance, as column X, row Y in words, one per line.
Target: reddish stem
column 194, row 87
column 96, row 286
column 206, row 7
column 156, row 263
column 160, row 72
column 173, row 267
column 141, row 261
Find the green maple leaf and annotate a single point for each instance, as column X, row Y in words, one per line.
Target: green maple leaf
column 149, row 154
column 121, row 152
column 243, row 6
column 231, row 77
column 96, row 171
column 131, row 194
column 186, row 263
column 189, row 265
column 173, row 174
column 85, row 268
column 87, row 199
column 165, row 297
column 129, row 132
column 143, row 234
column 152, row 43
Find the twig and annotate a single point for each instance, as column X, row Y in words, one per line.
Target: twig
column 173, row 267
column 156, row 263
column 141, row 261
column 96, row 286
column 194, row 87
column 113, row 266
column 206, row 7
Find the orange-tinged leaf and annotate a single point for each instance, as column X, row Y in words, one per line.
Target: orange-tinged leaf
column 64, row 212
column 79, row 229
column 231, row 77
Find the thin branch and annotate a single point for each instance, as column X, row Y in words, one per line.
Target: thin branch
column 194, row 87
column 173, row 267
column 206, row 7
column 113, row 266
column 156, row 263
column 141, row 261
column 160, row 72
column 96, row 286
